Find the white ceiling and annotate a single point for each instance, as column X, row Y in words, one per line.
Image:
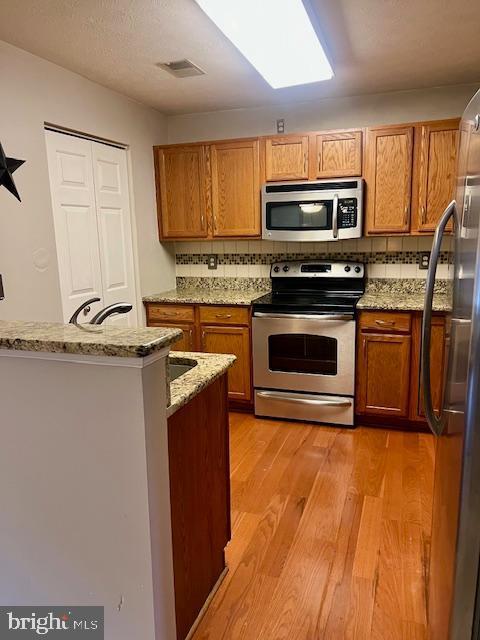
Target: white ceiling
column 374, row 46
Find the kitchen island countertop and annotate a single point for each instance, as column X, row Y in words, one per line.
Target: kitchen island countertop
column 207, row 368
column 92, row 340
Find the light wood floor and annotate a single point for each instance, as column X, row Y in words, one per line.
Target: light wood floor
column 331, row 534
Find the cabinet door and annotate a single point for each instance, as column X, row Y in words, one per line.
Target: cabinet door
column 234, row 340
column 187, row 342
column 338, row 154
column 383, row 374
column 437, row 365
column 199, row 473
column 236, row 188
column 286, row 158
column 388, row 174
column 183, row 194
column 437, row 169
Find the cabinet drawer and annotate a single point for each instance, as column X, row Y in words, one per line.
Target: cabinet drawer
column 224, row 315
column 170, row 312
column 385, row 321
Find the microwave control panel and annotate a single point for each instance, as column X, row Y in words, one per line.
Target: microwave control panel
column 347, row 213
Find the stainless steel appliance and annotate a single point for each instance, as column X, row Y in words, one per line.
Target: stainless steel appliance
column 304, row 341
column 453, row 590
column 312, row 211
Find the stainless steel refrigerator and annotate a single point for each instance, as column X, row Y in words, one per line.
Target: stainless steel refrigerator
column 453, row 599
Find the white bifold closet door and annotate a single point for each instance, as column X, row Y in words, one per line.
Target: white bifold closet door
column 93, row 228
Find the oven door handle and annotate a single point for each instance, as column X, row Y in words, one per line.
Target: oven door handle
column 335, row 216
column 340, row 317
column 313, row 401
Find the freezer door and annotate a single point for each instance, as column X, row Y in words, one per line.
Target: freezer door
column 455, row 543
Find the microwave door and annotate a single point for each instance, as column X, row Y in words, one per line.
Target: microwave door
column 316, row 215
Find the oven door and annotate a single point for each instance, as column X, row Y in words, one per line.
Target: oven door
column 304, row 353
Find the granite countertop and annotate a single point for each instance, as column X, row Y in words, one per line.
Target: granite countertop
column 394, row 302
column 208, row 367
column 404, row 295
column 206, row 296
column 85, row 340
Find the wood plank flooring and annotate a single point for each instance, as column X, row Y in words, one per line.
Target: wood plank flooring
column 331, row 534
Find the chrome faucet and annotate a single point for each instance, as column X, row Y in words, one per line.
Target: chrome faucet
column 112, row 309
column 85, row 307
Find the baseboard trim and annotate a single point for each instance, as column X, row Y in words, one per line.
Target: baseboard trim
column 206, row 604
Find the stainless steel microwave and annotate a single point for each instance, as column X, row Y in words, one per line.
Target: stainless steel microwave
column 312, row 211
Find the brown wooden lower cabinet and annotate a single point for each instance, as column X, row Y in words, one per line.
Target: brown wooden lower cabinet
column 388, row 367
column 198, row 449
column 212, row 329
column 384, row 374
column 188, row 342
column 236, row 340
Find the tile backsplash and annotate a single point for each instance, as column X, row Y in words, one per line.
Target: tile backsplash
column 385, row 257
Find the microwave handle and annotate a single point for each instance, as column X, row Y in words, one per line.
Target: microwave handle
column 335, row 217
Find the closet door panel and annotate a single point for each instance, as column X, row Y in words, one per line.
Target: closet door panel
column 75, row 221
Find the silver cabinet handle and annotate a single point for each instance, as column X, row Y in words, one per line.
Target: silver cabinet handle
column 335, row 216
column 435, row 423
column 340, row 317
column 324, row 403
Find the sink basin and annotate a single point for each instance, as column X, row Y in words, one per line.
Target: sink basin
column 177, row 370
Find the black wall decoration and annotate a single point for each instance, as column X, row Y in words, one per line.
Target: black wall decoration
column 7, row 167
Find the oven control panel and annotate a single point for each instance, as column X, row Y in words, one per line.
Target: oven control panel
column 347, row 213
column 317, row 269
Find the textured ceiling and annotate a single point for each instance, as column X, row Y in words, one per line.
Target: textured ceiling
column 374, row 46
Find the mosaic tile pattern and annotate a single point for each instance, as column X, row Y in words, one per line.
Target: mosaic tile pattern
column 383, row 257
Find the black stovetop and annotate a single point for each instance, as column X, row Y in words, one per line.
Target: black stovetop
column 313, row 303
column 313, row 287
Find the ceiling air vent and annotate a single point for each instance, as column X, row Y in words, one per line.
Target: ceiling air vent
column 181, row 68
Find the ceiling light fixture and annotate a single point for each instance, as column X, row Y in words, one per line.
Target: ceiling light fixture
column 276, row 37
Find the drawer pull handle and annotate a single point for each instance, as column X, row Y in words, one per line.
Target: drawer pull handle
column 385, row 323
column 170, row 314
column 223, row 315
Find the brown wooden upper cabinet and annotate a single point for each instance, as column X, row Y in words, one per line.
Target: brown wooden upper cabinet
column 286, row 158
column 235, row 188
column 182, row 191
column 388, row 174
column 208, row 190
column 324, row 154
column 436, row 168
column 410, row 176
column 212, row 189
column 338, row 154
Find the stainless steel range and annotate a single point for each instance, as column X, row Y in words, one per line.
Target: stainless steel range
column 304, row 341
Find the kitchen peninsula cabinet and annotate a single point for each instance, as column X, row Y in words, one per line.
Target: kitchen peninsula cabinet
column 388, row 367
column 199, row 470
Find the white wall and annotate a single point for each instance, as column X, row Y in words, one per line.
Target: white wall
column 86, row 504
column 357, row 111
column 34, row 91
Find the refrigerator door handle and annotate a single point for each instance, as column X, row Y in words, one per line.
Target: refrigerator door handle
column 436, row 423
